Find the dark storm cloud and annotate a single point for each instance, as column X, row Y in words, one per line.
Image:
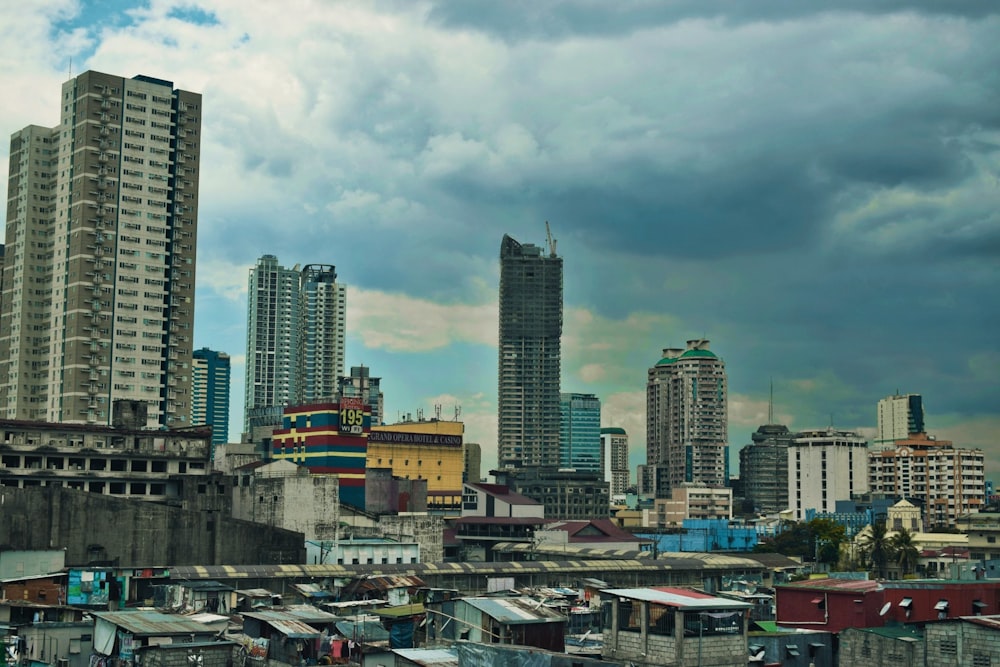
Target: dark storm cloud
column 526, row 19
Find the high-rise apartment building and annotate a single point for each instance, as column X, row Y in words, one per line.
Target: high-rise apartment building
column 824, row 467
column 295, row 338
column 580, row 432
column 322, row 312
column 531, row 300
column 614, row 451
column 764, row 468
column 898, row 418
column 686, row 420
column 947, row 481
column 210, row 391
column 102, row 217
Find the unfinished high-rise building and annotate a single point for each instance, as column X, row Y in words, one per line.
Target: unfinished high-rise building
column 531, row 304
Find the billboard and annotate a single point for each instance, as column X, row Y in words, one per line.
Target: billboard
column 352, row 416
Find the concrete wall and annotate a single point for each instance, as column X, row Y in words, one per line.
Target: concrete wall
column 208, row 655
column 138, row 533
column 308, row 504
column 426, row 530
column 961, row 644
column 864, row 647
column 49, row 642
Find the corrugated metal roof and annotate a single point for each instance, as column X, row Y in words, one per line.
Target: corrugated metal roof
column 677, row 597
column 832, row 584
column 293, row 629
column 154, row 623
column 515, row 610
column 428, row 657
column 300, row 613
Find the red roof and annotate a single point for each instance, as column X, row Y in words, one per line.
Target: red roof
column 600, row 530
column 503, row 493
column 831, row 584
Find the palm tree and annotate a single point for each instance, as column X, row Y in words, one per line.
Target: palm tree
column 878, row 548
column 905, row 551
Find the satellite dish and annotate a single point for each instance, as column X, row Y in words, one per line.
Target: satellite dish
column 757, row 658
column 885, row 609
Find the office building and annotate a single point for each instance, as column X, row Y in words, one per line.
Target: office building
column 531, row 301
column 764, row 469
column 102, row 214
column 210, row 391
column 614, row 451
column 686, row 420
column 580, row 432
column 898, row 417
column 296, row 322
column 947, row 481
column 430, row 450
column 824, row 467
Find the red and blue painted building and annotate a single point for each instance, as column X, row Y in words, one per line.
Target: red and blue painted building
column 328, row 439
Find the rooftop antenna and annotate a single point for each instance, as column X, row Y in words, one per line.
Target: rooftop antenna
column 69, row 71
column 458, row 412
column 437, row 411
column 770, row 405
column 552, row 241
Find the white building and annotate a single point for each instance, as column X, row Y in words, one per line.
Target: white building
column 898, row 417
column 614, row 451
column 824, row 467
column 98, row 286
column 361, row 551
column 691, row 501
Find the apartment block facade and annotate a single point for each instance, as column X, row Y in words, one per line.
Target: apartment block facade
column 210, row 393
column 99, row 274
column 614, row 451
column 824, row 467
column 686, row 420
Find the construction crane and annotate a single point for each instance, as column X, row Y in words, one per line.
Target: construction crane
column 552, row 241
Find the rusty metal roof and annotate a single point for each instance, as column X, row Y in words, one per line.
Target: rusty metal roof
column 154, row 623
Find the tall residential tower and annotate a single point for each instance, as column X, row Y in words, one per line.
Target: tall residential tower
column 98, row 287
column 899, row 417
column 210, row 389
column 296, row 328
column 686, row 419
column 531, row 301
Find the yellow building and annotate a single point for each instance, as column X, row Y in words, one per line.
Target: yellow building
column 427, row 449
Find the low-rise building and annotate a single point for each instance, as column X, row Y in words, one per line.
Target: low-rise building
column 493, row 513
column 565, row 494
column 675, row 626
column 595, row 534
column 691, row 501
column 983, row 534
column 521, row 621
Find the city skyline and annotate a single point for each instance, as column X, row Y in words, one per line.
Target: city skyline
column 821, row 207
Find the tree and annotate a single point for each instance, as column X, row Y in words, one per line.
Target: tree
column 827, row 536
column 878, row 549
column 905, row 551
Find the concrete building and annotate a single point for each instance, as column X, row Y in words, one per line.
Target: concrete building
column 580, row 433
column 272, row 344
column 296, row 328
column 321, row 334
column 372, row 550
column 664, row 627
column 824, row 467
column 210, row 372
column 691, row 501
column 362, row 385
column 430, row 450
column 565, row 494
column 492, row 513
column 686, row 420
column 107, row 312
column 138, row 464
column 386, row 493
column 473, row 471
column 764, row 468
column 898, row 418
column 983, row 532
column 531, row 305
column 284, row 495
column 614, row 454
column 946, row 480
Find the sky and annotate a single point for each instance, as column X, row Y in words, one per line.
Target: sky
column 812, row 186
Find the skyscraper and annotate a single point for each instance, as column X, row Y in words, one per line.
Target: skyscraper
column 580, row 432
column 361, row 384
column 102, row 217
column 295, row 338
column 764, row 468
column 210, row 390
column 531, row 299
column 898, row 418
column 687, row 419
